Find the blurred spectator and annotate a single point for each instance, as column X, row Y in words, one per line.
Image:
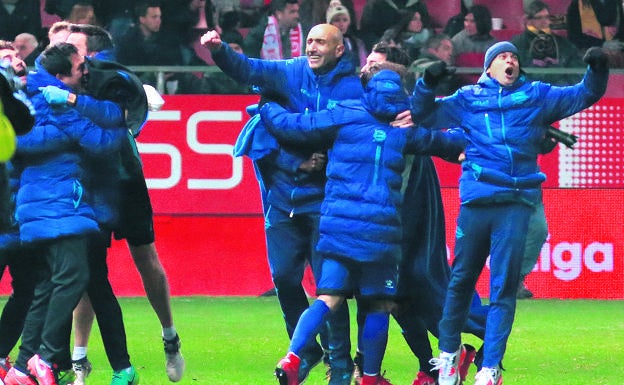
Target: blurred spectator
column 338, row 15
column 143, row 44
column 229, row 20
column 82, row 13
column 58, row 32
column 380, row 15
column 411, row 32
column 17, row 16
column 475, row 37
column 278, row 35
column 456, row 23
column 179, row 21
column 437, row 47
column 218, row 82
column 313, row 12
column 117, row 16
column 27, row 47
column 594, row 22
column 539, row 47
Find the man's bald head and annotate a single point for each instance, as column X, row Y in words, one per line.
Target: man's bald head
column 324, row 47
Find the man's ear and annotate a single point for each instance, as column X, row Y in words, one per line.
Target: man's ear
column 340, row 48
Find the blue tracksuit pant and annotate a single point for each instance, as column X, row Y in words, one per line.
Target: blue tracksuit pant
column 291, row 243
column 498, row 230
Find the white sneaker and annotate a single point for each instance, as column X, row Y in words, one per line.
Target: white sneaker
column 489, row 376
column 175, row 362
column 448, row 367
column 82, row 369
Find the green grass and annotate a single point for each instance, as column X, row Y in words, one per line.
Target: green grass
column 237, row 341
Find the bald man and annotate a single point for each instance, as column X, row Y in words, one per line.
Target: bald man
column 292, row 178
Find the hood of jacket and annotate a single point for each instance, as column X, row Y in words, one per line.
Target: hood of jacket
column 384, row 95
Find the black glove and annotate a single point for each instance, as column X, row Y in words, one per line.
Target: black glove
column 436, row 72
column 597, row 59
column 554, row 136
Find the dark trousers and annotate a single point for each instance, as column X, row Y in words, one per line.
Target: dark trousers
column 63, row 274
column 106, row 306
column 291, row 242
column 20, row 264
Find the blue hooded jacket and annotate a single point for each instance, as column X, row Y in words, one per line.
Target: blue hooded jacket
column 300, row 89
column 51, row 201
column 504, row 127
column 360, row 216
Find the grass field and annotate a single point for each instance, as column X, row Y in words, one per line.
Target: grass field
column 237, row 341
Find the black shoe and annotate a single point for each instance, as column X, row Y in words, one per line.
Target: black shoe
column 523, row 292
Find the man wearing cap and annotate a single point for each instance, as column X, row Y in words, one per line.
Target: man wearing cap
column 504, row 118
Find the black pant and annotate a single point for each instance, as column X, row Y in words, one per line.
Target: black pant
column 20, row 264
column 63, row 274
column 106, row 306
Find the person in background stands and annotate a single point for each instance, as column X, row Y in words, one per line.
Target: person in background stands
column 592, row 23
column 380, row 15
column 539, row 47
column 278, row 35
column 27, row 47
column 411, row 32
column 338, row 15
column 438, row 47
column 475, row 37
column 19, row 16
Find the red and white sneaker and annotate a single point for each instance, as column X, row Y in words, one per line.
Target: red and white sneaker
column 489, row 376
column 42, row 371
column 423, row 378
column 468, row 356
column 287, row 370
column 447, row 366
column 5, row 367
column 15, row 377
column 374, row 380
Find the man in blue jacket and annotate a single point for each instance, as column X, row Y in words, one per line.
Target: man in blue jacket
column 52, row 213
column 291, row 182
column 361, row 238
column 504, row 118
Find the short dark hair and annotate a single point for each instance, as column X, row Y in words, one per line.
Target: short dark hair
column 280, row 5
column 98, row 39
column 393, row 53
column 534, row 7
column 140, row 8
column 483, row 19
column 56, row 59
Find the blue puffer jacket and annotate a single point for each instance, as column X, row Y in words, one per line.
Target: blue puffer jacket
column 360, row 216
column 504, row 127
column 50, row 201
column 300, row 89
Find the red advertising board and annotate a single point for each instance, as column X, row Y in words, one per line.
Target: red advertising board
column 210, row 230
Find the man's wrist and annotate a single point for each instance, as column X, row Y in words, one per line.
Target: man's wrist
column 71, row 99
